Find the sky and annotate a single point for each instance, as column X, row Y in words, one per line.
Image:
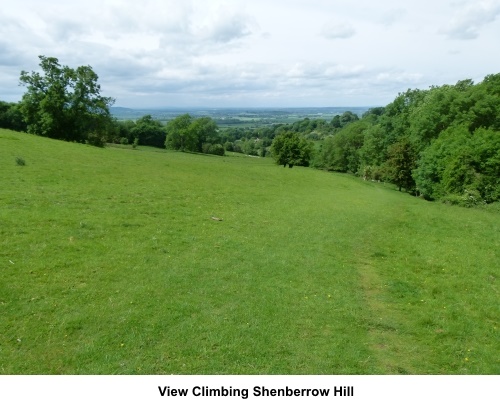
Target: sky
column 253, row 53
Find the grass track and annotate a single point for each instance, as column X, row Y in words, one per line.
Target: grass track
column 110, row 263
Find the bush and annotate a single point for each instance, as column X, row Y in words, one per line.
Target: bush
column 213, row 149
column 20, row 161
column 96, row 140
column 470, row 198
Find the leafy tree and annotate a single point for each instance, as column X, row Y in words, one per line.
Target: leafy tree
column 348, row 117
column 341, row 151
column 65, row 103
column 124, row 131
column 194, row 135
column 340, row 121
column 288, row 148
column 374, row 149
column 204, row 130
column 178, row 135
column 213, row 149
column 459, row 161
column 149, row 132
column 11, row 117
column 396, row 118
column 400, row 164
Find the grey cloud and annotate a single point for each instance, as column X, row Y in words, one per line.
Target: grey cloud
column 10, row 55
column 335, row 30
column 227, row 30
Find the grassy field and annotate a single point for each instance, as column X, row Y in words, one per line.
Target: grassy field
column 111, row 263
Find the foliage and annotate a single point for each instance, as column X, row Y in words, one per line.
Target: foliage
column 288, row 148
column 178, row 135
column 11, row 117
column 311, row 129
column 341, row 121
column 149, row 132
column 340, row 152
column 401, row 161
column 438, row 142
column 213, row 149
column 65, row 103
column 459, row 160
column 193, row 135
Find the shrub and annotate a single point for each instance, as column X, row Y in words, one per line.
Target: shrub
column 469, row 198
column 95, row 139
column 213, row 149
column 20, row 161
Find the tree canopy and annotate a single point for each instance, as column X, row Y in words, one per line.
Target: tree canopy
column 288, row 148
column 441, row 143
column 65, row 103
column 194, row 135
column 149, row 132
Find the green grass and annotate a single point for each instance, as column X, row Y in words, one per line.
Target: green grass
column 110, row 263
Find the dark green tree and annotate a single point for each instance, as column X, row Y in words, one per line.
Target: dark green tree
column 149, row 132
column 11, row 117
column 288, row 148
column 194, row 135
column 65, row 103
column 179, row 137
column 401, row 162
column 204, row 130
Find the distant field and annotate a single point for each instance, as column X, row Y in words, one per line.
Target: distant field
column 111, row 263
column 240, row 117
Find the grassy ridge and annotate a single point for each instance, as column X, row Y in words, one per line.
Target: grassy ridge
column 111, row 264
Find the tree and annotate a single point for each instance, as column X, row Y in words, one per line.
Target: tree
column 199, row 135
column 288, row 148
column 11, row 117
column 149, row 132
column 458, row 161
column 400, row 163
column 204, row 131
column 341, row 151
column 178, row 135
column 65, row 103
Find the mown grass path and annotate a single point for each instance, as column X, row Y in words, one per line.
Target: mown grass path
column 110, row 263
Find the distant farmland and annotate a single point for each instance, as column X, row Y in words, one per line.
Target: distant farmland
column 244, row 117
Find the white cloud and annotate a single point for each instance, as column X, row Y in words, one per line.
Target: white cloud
column 338, row 30
column 392, row 16
column 470, row 18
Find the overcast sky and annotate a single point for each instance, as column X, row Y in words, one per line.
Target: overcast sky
column 253, row 53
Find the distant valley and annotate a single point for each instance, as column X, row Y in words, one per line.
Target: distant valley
column 241, row 117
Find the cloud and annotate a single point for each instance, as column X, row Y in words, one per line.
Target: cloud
column 470, row 18
column 224, row 28
column 336, row 30
column 392, row 17
column 191, row 52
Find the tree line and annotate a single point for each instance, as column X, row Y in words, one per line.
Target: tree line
column 65, row 103
column 442, row 143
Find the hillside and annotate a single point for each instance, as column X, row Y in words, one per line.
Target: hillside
column 111, row 263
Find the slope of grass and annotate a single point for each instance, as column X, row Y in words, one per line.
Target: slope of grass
column 111, row 263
